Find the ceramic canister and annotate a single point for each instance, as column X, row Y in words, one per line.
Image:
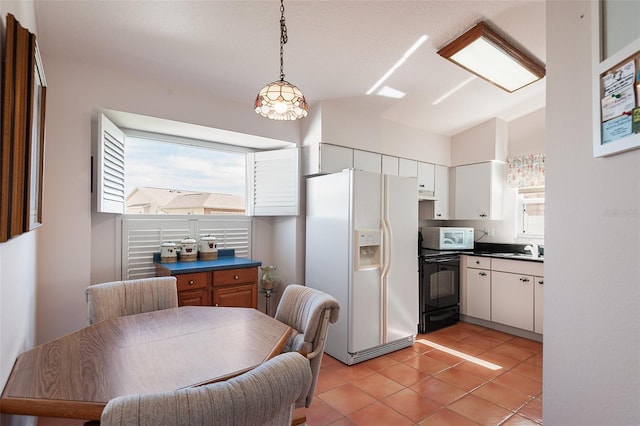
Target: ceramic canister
column 208, row 247
column 189, row 249
column 168, row 251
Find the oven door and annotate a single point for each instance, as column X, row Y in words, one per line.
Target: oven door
column 439, row 283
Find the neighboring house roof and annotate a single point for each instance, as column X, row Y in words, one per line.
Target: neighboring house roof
column 207, row 200
column 159, row 196
column 173, row 199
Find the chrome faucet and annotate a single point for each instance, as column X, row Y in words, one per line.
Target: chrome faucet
column 533, row 248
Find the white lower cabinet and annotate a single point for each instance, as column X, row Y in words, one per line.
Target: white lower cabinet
column 538, row 298
column 508, row 292
column 478, row 288
column 512, row 299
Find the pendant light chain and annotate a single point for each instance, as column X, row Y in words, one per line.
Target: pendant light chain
column 283, row 39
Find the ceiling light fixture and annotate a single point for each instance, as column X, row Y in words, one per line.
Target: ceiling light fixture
column 281, row 100
column 488, row 55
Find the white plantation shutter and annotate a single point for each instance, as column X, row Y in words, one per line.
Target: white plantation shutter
column 229, row 233
column 273, row 181
column 141, row 238
column 110, row 167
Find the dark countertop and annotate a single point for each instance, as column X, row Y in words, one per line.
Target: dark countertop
column 496, row 250
column 226, row 260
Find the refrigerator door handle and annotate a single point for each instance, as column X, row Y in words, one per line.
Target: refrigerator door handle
column 386, row 243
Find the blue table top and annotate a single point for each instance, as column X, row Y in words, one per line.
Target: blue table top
column 226, row 260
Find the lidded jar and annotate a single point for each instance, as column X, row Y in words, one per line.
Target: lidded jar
column 168, row 252
column 208, row 247
column 189, row 249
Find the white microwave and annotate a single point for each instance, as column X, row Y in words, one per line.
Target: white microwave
column 447, row 238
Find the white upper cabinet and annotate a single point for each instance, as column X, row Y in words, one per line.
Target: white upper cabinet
column 390, row 165
column 322, row 158
column 478, row 191
column 426, row 180
column 367, row 161
column 441, row 193
column 407, row 168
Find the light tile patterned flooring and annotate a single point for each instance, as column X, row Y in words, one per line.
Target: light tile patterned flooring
column 424, row 386
column 421, row 385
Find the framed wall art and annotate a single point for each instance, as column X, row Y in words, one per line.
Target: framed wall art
column 616, row 80
column 23, row 131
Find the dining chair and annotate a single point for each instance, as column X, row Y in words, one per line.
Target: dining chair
column 262, row 396
column 308, row 312
column 129, row 297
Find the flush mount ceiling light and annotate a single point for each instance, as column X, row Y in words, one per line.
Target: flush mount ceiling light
column 281, row 100
column 485, row 53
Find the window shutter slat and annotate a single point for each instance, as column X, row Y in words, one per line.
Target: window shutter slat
column 110, row 167
column 274, row 183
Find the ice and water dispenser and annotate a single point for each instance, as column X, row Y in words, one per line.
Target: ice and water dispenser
column 369, row 245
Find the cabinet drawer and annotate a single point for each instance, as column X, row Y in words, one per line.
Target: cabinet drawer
column 524, row 267
column 235, row 276
column 478, row 262
column 193, row 281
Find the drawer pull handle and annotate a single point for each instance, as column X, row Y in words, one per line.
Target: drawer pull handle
column 483, row 274
column 541, row 282
column 524, row 280
column 477, row 262
column 191, row 282
column 235, row 277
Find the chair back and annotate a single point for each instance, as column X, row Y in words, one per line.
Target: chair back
column 129, row 297
column 308, row 312
column 262, row 396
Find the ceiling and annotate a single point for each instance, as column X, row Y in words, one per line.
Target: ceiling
column 336, row 50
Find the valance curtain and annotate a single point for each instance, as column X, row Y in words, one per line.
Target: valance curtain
column 526, row 171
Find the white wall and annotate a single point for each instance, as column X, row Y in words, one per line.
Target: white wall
column 592, row 268
column 17, row 262
column 340, row 125
column 481, row 143
column 77, row 246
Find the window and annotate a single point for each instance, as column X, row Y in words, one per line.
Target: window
column 141, row 172
column 173, row 187
column 531, row 213
column 178, row 177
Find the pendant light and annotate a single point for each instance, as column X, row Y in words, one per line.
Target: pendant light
column 281, row 100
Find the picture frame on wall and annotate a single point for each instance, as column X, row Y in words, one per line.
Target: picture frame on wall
column 36, row 146
column 23, row 132
column 616, row 89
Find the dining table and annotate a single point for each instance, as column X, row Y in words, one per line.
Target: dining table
column 76, row 375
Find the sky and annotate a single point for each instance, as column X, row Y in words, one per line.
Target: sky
column 190, row 168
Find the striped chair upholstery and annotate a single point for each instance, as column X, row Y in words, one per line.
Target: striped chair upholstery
column 262, row 396
column 129, row 297
column 308, row 312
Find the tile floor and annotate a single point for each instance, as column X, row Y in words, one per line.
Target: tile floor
column 425, row 386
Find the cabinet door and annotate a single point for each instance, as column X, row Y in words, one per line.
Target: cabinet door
column 441, row 205
column 390, row 165
column 200, row 297
column 512, row 299
column 478, row 192
column 538, row 304
column 479, row 293
column 335, row 158
column 426, row 178
column 367, row 161
column 407, row 168
column 242, row 296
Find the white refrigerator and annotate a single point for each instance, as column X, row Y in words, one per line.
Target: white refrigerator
column 362, row 248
